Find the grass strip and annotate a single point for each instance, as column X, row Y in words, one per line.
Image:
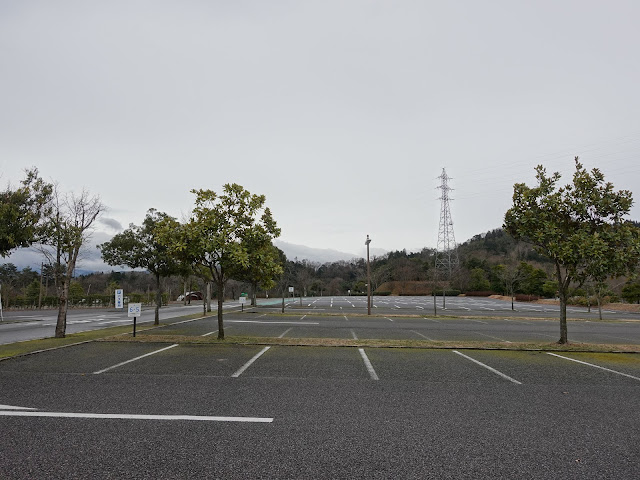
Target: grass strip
column 380, row 343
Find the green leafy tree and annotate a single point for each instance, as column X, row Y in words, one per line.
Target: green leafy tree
column 580, row 227
column 140, row 247
column 22, row 212
column 479, row 280
column 218, row 237
column 631, row 291
column 264, row 266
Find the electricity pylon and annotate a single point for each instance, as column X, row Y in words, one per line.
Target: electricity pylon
column 447, row 250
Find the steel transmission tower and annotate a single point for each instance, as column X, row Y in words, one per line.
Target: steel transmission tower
column 447, row 250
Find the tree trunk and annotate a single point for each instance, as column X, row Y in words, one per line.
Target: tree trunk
column 158, row 300
column 184, row 297
column 61, row 324
column 220, row 286
column 254, row 288
column 563, row 293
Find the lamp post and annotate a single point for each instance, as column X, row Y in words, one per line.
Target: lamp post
column 368, row 278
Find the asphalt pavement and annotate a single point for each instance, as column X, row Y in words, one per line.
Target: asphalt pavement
column 159, row 410
column 317, row 412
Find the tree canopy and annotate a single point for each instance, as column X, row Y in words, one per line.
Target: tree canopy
column 225, row 236
column 580, row 227
column 140, row 247
column 22, row 211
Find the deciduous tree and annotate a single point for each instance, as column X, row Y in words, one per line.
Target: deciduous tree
column 65, row 232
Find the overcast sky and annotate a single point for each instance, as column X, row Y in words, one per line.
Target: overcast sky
column 343, row 113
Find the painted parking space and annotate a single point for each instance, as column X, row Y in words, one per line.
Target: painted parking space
column 430, row 366
column 199, row 360
column 540, row 368
column 79, row 359
column 308, row 362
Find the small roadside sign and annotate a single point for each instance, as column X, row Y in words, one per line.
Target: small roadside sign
column 290, row 289
column 243, row 300
column 135, row 310
column 119, row 298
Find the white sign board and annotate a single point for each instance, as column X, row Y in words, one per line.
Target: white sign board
column 119, row 298
column 290, row 289
column 135, row 310
column 243, row 300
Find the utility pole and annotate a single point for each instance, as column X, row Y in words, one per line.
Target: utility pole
column 40, row 292
column 446, row 250
column 368, row 278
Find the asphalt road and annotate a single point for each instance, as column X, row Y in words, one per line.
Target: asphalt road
column 20, row 325
column 458, row 306
column 351, row 324
column 304, row 412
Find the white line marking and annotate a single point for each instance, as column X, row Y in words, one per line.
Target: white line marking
column 353, row 334
column 506, row 377
column 423, row 336
column 248, row 364
column 273, row 323
column 285, row 332
column 516, row 321
column 302, row 318
column 210, row 333
column 134, row 359
column 11, row 407
column 367, row 363
column 388, row 319
column 345, row 317
column 594, row 366
column 117, row 416
column 490, row 336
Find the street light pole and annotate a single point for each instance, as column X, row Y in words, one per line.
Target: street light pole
column 368, row 278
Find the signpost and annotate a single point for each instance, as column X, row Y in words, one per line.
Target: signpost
column 243, row 300
column 135, row 310
column 1, row 314
column 119, row 301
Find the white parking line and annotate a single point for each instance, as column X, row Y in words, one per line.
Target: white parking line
column 285, row 332
column 477, row 321
column 389, row 319
column 248, row 364
column 506, row 377
column 367, row 363
column 423, row 336
column 594, row 366
column 353, row 334
column 134, row 359
column 117, row 416
column 490, row 336
column 273, row 323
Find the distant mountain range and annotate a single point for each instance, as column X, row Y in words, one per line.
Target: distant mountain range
column 319, row 255
column 91, row 260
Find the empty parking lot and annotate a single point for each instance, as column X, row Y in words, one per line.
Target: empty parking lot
column 170, row 410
